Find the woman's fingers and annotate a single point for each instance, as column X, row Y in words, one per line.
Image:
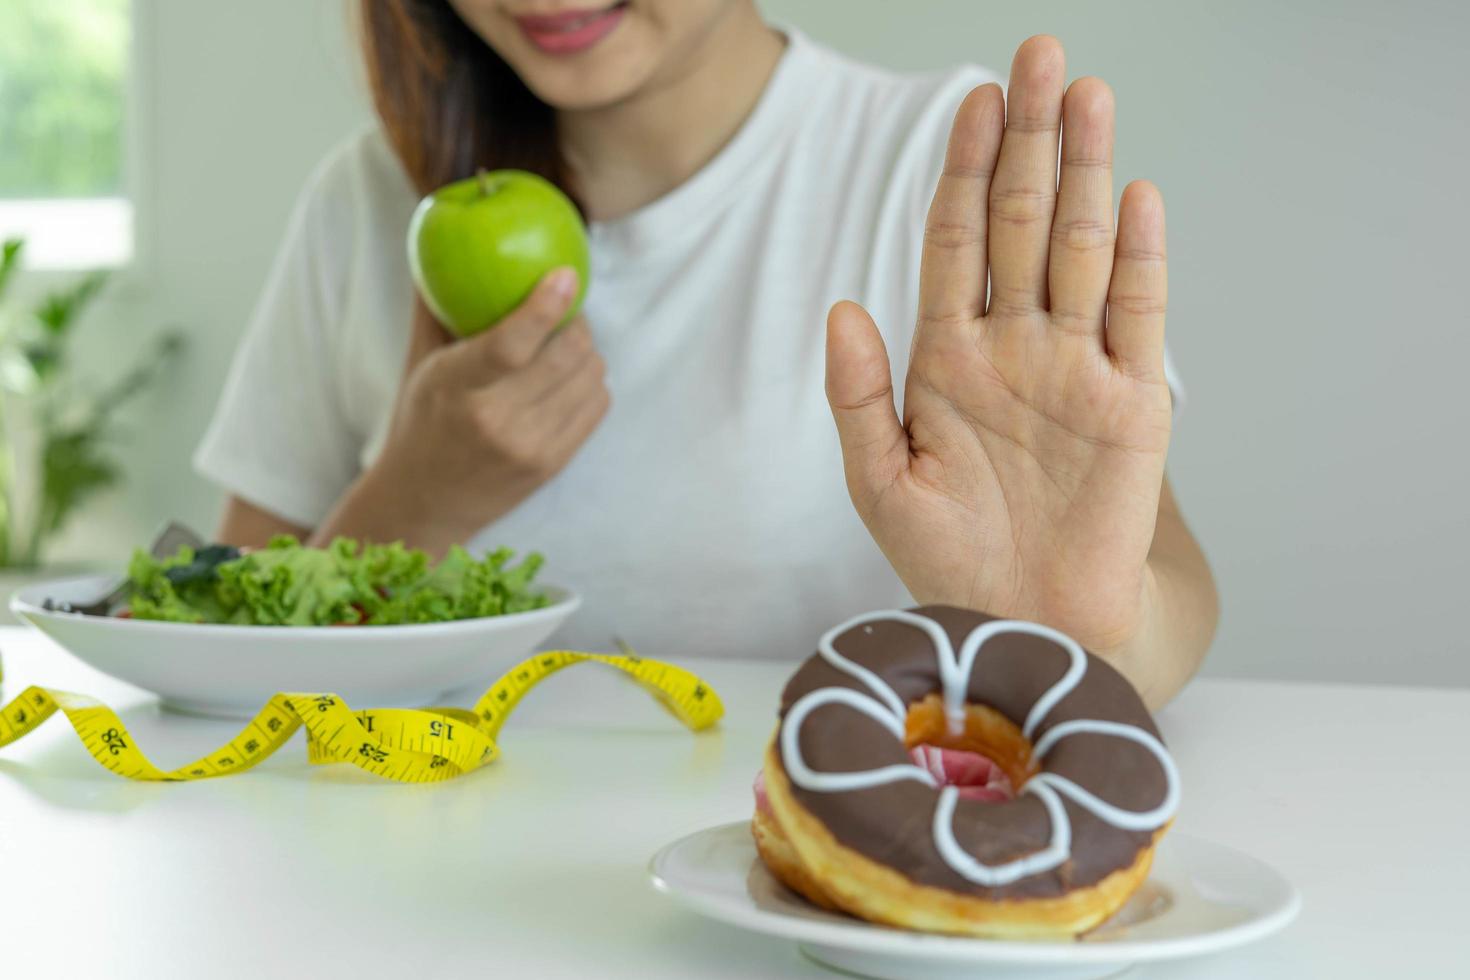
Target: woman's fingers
column 551, row 415
column 568, row 350
column 540, row 415
column 1082, row 231
column 1139, row 291
column 1024, row 190
column 952, row 271
column 424, row 338
column 540, row 388
column 860, row 392
column 514, row 342
column 581, row 409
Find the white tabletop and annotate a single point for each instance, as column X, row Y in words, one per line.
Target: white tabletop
column 535, row 866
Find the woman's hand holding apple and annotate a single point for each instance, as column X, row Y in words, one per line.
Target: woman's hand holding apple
column 480, row 423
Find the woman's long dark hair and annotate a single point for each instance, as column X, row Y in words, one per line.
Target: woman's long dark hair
column 449, row 104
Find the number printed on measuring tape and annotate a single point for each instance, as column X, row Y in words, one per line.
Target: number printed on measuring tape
column 410, row 745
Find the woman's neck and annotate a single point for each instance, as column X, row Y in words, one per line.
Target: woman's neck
column 626, row 155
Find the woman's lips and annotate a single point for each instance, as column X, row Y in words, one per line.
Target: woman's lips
column 571, row 31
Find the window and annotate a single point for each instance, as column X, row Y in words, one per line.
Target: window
column 63, row 108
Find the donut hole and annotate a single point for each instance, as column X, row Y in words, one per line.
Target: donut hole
column 987, row 733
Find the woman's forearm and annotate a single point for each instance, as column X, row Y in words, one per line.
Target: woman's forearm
column 374, row 508
column 380, row 509
column 247, row 526
column 1182, row 610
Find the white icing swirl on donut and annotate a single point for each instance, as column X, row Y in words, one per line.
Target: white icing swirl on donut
column 887, row 708
column 840, row 782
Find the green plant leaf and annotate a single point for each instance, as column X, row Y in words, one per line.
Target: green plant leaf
column 73, row 469
column 44, row 356
column 74, row 418
column 59, row 311
column 9, row 260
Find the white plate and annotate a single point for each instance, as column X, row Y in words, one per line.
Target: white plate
column 233, row 670
column 1199, row 898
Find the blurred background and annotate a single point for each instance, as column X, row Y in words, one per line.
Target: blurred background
column 1312, row 156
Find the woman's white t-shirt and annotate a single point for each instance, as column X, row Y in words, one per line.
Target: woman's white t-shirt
column 707, row 516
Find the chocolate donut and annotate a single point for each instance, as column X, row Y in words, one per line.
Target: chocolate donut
column 1097, row 787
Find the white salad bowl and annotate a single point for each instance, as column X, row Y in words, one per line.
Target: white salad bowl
column 233, row 670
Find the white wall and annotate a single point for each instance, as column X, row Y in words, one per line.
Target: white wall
column 237, row 103
column 1312, row 156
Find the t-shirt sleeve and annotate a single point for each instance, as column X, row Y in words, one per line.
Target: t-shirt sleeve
column 279, row 438
column 930, row 160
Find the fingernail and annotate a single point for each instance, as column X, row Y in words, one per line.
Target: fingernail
column 564, row 282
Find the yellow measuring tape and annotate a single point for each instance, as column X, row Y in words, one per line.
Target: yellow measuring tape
column 410, row 745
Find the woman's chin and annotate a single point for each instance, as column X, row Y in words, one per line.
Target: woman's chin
column 581, row 94
column 589, row 81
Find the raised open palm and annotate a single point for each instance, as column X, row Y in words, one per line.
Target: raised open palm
column 1025, row 476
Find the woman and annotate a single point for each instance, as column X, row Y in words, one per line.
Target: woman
column 671, row 450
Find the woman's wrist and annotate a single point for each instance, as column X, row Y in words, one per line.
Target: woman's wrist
column 1172, row 636
column 1137, row 657
column 381, row 506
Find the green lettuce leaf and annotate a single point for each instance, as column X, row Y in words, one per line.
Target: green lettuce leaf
column 288, row 584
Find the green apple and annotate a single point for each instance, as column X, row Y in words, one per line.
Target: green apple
column 477, row 247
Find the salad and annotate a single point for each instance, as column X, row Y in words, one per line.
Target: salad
column 345, row 584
